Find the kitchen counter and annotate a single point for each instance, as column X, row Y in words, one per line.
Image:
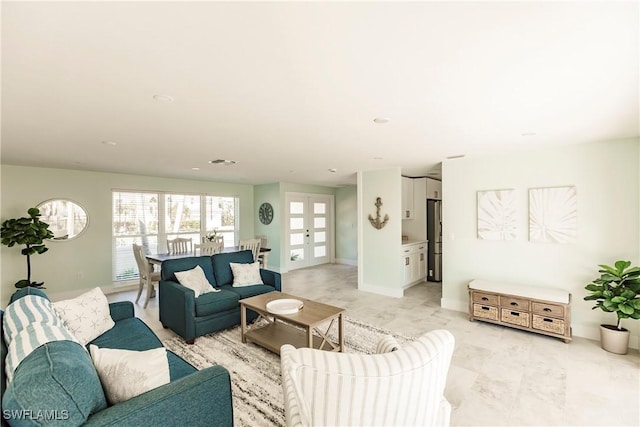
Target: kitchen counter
column 413, row 242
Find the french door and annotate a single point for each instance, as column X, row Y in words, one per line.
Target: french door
column 309, row 230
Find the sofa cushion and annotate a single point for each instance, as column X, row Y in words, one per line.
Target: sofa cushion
column 170, row 267
column 222, row 269
column 249, row 291
column 57, row 376
column 3, row 356
column 134, row 334
column 128, row 334
column 127, row 373
column 86, row 316
column 29, row 290
column 216, row 302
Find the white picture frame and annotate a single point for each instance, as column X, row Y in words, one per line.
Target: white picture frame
column 553, row 215
column 497, row 215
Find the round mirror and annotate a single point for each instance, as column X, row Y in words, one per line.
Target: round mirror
column 66, row 219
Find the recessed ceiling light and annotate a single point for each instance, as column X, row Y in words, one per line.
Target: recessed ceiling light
column 333, row 170
column 111, row 143
column 381, row 120
column 195, row 169
column 528, row 134
column 222, row 162
column 457, row 156
column 163, row 98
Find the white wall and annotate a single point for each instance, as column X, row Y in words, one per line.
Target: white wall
column 70, row 267
column 347, row 225
column 607, row 180
column 379, row 266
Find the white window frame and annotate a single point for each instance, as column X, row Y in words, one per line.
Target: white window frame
column 162, row 234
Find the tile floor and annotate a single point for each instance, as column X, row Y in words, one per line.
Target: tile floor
column 498, row 376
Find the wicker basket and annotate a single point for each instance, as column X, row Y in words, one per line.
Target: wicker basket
column 485, row 311
column 548, row 324
column 515, row 317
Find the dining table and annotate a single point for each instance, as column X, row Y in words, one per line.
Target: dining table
column 157, row 259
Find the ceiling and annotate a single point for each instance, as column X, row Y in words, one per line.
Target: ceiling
column 291, row 90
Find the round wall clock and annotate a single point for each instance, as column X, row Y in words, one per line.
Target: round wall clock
column 265, row 213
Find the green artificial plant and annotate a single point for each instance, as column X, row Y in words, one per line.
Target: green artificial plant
column 28, row 231
column 617, row 290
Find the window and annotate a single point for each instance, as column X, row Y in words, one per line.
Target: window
column 150, row 218
column 135, row 220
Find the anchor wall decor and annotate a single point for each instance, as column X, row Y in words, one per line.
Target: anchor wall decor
column 376, row 222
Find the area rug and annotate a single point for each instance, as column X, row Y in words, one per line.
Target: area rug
column 255, row 372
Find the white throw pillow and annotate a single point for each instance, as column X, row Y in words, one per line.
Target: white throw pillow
column 126, row 373
column 195, row 280
column 246, row 274
column 87, row 316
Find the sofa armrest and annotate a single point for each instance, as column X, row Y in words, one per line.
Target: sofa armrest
column 271, row 278
column 200, row 399
column 177, row 306
column 121, row 310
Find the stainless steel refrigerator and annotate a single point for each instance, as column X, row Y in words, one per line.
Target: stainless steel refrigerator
column 434, row 236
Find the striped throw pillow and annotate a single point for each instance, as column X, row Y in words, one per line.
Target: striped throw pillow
column 28, row 323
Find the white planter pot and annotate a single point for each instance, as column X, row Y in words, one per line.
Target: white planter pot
column 613, row 339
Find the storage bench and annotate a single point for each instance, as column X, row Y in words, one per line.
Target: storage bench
column 541, row 310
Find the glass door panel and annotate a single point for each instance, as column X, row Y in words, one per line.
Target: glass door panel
column 308, row 230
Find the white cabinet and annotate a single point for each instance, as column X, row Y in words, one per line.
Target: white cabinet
column 407, row 198
column 414, row 262
column 434, row 189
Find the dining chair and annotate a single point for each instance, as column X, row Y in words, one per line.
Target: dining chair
column 253, row 245
column 217, row 238
column 179, row 245
column 208, row 248
column 146, row 274
column 264, row 240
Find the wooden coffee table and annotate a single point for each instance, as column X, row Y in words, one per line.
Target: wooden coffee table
column 296, row 329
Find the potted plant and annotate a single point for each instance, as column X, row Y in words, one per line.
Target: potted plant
column 617, row 290
column 28, row 231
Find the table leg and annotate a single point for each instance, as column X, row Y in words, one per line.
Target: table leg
column 309, row 337
column 341, row 332
column 243, row 321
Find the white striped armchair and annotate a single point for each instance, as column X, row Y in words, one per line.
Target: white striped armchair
column 403, row 387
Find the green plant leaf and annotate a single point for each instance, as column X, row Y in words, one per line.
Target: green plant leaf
column 618, row 299
column 608, row 293
column 606, row 269
column 628, row 294
column 635, row 303
column 622, row 265
column 626, row 309
column 591, row 297
column 593, row 288
column 22, row 283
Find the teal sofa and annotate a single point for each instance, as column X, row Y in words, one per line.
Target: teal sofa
column 192, row 317
column 57, row 384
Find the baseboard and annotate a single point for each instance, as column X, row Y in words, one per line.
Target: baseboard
column 577, row 330
column 381, row 290
column 346, row 261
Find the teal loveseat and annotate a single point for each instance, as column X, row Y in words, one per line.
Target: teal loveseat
column 191, row 317
column 57, row 384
